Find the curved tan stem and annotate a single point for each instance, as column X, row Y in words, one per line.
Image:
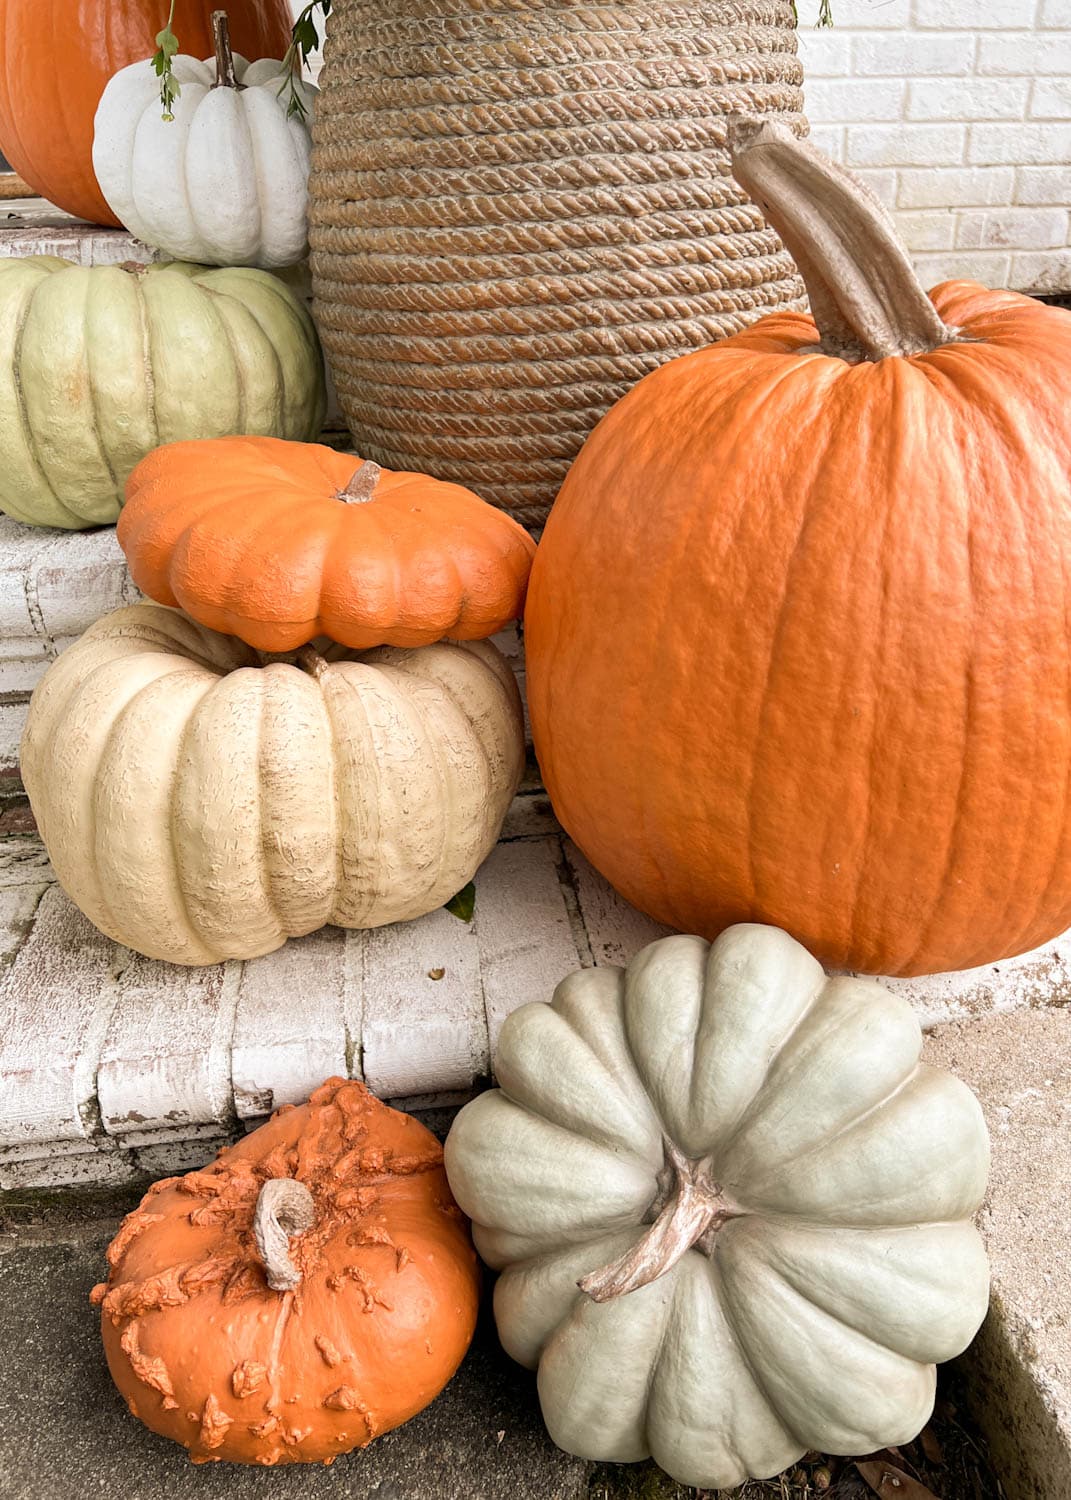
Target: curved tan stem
column 226, row 77
column 285, row 1207
column 695, row 1211
column 864, row 294
column 362, row 485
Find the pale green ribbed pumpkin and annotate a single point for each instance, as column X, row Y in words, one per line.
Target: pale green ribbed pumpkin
column 99, row 365
column 731, row 1207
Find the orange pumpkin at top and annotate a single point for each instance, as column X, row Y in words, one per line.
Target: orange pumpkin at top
column 799, row 629
column 56, row 57
column 311, row 1289
column 279, row 542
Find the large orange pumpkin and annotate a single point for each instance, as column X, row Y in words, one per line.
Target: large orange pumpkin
column 56, row 56
column 311, row 1289
column 279, row 542
column 799, row 628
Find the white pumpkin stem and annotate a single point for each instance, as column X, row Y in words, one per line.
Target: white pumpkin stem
column 362, row 485
column 864, row 294
column 311, row 661
column 285, row 1207
column 694, row 1211
column 226, row 78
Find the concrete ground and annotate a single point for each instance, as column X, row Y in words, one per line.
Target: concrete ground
column 66, row 1435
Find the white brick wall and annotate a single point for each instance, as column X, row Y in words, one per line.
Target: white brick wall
column 958, row 114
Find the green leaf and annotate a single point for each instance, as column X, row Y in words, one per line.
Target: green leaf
column 167, row 46
column 463, row 905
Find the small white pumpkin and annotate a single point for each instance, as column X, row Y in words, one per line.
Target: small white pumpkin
column 224, row 182
column 201, row 802
column 731, row 1208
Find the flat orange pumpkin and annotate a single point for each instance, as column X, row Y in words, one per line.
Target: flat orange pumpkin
column 310, row 1290
column 799, row 629
column 278, row 543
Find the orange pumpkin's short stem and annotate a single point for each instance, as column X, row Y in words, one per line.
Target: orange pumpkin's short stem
column 864, row 294
column 285, row 1207
column 362, row 486
column 225, row 74
column 312, row 662
column 693, row 1212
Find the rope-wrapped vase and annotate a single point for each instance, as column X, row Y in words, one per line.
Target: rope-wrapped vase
column 520, row 207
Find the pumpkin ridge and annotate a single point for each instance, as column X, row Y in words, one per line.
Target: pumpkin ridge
column 20, row 398
column 91, row 387
column 830, row 1138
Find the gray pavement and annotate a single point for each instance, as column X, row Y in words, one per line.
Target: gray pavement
column 65, row 1433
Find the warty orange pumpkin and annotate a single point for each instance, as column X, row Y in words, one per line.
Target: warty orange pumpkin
column 798, row 630
column 278, row 542
column 310, row 1290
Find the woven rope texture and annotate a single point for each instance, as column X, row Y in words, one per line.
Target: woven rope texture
column 520, row 207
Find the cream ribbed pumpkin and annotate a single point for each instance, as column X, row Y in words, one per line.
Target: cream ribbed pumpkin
column 731, row 1207
column 199, row 803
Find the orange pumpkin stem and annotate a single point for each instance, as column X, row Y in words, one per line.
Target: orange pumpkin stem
column 864, row 294
column 362, row 486
column 226, row 77
column 690, row 1210
column 285, row 1207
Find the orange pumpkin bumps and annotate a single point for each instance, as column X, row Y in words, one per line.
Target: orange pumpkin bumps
column 278, row 543
column 799, row 629
column 311, row 1289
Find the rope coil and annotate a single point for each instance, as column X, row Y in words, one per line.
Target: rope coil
column 521, row 207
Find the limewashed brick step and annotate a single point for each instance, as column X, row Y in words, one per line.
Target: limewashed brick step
column 113, row 1066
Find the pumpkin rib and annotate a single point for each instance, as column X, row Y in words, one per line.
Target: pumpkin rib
column 28, row 434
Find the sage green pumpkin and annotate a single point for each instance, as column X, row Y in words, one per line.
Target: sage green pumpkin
column 731, row 1207
column 100, row 365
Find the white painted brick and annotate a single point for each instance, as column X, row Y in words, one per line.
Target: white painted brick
column 912, row 55
column 899, row 146
column 955, row 187
column 968, row 99
column 1051, row 99
column 872, row 15
column 1032, row 144
column 1041, row 271
column 825, row 53
column 1055, row 13
column 935, row 230
column 881, row 181
column 852, row 100
column 1012, row 229
column 1028, row 53
column 992, row 267
column 995, row 15
column 830, row 139
column 1043, row 185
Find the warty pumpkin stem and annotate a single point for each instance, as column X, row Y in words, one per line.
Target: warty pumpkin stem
column 226, row 77
column 864, row 294
column 285, row 1207
column 694, row 1211
column 362, row 485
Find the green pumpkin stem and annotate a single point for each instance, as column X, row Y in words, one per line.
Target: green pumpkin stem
column 864, row 294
